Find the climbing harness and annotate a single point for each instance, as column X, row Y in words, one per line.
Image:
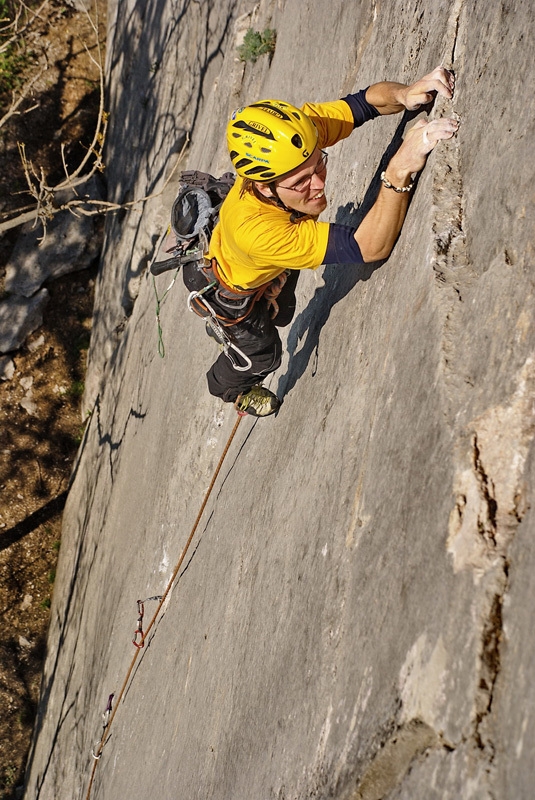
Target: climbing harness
column 186, row 243
column 239, row 303
column 233, row 298
column 110, row 712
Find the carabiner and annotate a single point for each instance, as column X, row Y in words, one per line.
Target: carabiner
column 139, row 630
column 248, row 362
column 220, row 331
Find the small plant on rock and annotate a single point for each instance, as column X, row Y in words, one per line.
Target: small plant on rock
column 256, row 44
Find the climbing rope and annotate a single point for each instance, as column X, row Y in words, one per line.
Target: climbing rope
column 109, row 714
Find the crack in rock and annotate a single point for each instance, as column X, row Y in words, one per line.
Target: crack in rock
column 453, row 26
column 489, row 669
column 450, row 262
column 487, row 491
column 491, row 501
column 491, row 496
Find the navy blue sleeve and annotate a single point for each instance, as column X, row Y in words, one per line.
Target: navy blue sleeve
column 342, row 247
column 362, row 110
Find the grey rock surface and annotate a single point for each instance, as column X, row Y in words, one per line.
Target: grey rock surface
column 20, row 316
column 353, row 618
column 7, row 368
column 71, row 243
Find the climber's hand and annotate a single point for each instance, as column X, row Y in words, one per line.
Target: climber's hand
column 440, row 81
column 419, row 141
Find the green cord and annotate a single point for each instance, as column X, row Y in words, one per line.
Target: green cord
column 159, row 303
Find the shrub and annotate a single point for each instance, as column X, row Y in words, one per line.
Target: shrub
column 256, row 44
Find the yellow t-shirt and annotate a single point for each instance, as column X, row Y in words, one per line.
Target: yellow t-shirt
column 254, row 242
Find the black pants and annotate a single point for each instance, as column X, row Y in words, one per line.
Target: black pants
column 258, row 338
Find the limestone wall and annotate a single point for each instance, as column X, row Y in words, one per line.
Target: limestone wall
column 354, row 617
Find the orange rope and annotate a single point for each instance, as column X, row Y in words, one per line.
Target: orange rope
column 97, row 754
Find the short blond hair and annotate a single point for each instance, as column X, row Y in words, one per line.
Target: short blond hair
column 249, row 187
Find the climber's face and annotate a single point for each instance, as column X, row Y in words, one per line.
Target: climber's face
column 303, row 189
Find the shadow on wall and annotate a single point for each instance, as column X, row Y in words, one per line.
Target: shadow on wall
column 148, row 125
column 160, row 58
column 151, row 43
column 339, row 279
column 83, row 559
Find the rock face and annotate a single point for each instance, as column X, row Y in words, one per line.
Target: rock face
column 20, row 316
column 353, row 619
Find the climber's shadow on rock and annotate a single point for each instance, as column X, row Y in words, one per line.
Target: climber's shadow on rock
column 339, row 279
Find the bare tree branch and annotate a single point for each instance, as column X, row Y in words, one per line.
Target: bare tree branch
column 95, row 148
column 14, row 22
column 18, row 32
column 45, row 195
column 23, row 94
column 84, row 206
column 37, row 183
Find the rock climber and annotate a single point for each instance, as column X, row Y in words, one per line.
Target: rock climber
column 268, row 228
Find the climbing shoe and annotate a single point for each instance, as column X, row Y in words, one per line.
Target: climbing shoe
column 258, row 402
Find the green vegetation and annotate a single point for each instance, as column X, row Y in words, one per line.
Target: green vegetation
column 14, row 57
column 76, row 389
column 10, row 775
column 256, row 44
column 12, row 63
column 82, row 341
column 78, row 437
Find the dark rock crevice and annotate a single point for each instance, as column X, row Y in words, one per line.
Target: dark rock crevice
column 490, row 664
column 486, row 523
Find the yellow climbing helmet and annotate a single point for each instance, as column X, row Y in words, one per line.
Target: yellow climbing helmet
column 269, row 138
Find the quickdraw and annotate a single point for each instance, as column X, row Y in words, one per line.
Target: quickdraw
column 105, row 720
column 219, row 332
column 141, row 613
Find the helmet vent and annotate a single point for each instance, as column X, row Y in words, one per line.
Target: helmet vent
column 297, row 141
column 255, row 170
column 243, row 162
column 276, row 111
